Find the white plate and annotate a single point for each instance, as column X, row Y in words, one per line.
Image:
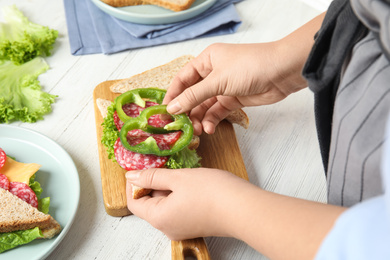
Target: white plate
column 58, row 177
column 150, row 14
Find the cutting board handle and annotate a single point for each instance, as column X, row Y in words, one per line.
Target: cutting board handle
column 191, row 248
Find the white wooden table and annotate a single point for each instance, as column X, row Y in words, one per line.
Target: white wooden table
column 280, row 148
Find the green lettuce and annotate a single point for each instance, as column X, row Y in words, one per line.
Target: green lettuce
column 185, row 158
column 21, row 97
column 43, row 203
column 21, row 40
column 110, row 132
column 18, row 238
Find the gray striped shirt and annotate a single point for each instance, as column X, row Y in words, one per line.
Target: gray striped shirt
column 361, row 108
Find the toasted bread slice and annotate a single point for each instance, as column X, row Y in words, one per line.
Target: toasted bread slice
column 16, row 214
column 174, row 5
column 161, row 77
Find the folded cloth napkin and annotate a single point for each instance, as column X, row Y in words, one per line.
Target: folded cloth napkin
column 94, row 31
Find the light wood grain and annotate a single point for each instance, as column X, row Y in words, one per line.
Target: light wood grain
column 190, row 248
column 112, row 175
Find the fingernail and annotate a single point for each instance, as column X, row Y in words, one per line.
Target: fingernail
column 173, row 107
column 208, row 129
column 132, row 175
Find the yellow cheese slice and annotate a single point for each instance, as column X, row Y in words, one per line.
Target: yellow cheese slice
column 17, row 171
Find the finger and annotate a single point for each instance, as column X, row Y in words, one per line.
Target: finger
column 190, row 74
column 196, row 94
column 142, row 207
column 197, row 114
column 185, row 78
column 160, row 193
column 154, row 178
column 219, row 111
column 197, row 126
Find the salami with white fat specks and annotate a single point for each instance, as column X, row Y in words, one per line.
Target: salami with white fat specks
column 24, row 192
column 3, row 158
column 4, row 182
column 129, row 160
column 134, row 161
column 133, row 110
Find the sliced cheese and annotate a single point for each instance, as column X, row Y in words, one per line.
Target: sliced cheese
column 17, row 171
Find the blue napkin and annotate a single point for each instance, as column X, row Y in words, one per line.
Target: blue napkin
column 94, row 31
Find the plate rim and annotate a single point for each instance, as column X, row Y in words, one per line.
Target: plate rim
column 45, row 253
column 154, row 19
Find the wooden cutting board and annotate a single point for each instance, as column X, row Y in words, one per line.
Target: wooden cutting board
column 220, row 151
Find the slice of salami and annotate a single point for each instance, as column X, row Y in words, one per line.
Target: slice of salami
column 129, row 160
column 3, row 158
column 118, row 123
column 133, row 110
column 24, row 192
column 4, row 182
column 166, row 141
column 156, row 120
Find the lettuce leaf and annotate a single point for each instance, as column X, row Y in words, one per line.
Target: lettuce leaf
column 110, row 132
column 43, row 203
column 185, row 158
column 21, row 97
column 35, row 186
column 17, row 238
column 21, row 40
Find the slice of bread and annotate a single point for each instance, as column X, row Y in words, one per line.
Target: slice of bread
column 174, row 5
column 158, row 77
column 16, row 214
column 161, row 77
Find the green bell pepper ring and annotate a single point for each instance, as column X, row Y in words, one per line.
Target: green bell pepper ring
column 149, row 146
column 137, row 96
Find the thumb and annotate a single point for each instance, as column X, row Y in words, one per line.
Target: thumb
column 154, row 178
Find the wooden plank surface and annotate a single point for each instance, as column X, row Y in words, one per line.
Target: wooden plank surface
column 220, row 151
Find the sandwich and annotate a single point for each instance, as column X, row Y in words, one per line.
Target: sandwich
column 23, row 214
column 131, row 148
column 174, row 5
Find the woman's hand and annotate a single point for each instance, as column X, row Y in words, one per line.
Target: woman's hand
column 201, row 202
column 187, row 203
column 226, row 77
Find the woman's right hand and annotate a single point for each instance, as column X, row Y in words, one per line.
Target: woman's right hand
column 226, row 77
